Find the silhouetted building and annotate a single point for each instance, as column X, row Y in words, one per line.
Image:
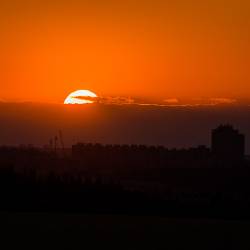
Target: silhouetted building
column 228, row 144
column 132, row 158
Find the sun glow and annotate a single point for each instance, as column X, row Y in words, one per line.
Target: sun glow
column 80, row 97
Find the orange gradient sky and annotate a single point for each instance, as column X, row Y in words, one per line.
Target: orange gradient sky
column 155, row 49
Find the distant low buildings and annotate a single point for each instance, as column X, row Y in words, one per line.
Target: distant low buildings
column 227, row 150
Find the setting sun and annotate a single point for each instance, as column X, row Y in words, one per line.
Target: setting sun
column 80, row 97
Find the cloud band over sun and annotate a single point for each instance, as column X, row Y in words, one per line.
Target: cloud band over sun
column 171, row 102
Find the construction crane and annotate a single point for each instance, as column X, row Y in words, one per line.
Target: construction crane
column 51, row 144
column 55, row 143
column 62, row 142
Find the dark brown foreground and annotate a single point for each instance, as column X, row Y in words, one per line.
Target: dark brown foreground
column 80, row 231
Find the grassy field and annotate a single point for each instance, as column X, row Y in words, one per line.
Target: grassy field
column 64, row 231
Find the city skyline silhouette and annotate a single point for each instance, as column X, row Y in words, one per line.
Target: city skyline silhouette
column 125, row 124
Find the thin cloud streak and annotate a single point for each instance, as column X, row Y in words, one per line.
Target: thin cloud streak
column 170, row 102
column 223, row 100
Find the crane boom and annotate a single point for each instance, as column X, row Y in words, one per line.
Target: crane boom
column 62, row 141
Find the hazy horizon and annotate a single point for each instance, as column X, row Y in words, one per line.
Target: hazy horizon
column 173, row 127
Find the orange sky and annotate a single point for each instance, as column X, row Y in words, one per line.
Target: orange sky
column 181, row 49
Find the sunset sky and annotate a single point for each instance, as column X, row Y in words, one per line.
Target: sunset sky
column 145, row 49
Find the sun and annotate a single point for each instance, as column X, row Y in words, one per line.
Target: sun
column 81, row 97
